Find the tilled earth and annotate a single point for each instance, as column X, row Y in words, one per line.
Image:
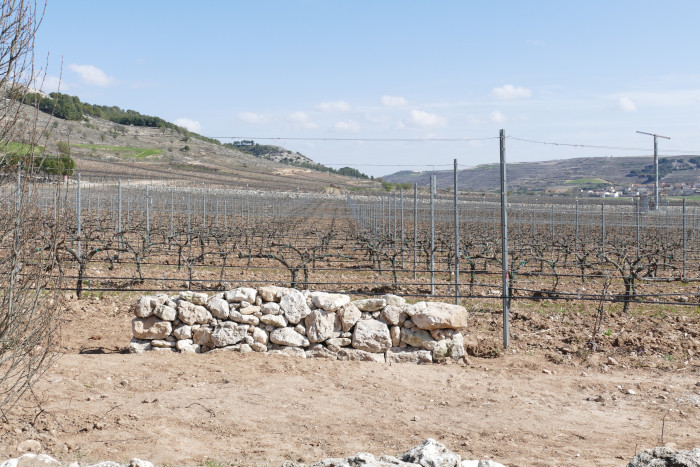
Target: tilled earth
column 551, row 398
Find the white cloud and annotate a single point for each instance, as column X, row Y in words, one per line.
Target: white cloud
column 337, row 106
column 349, row 126
column 422, row 119
column 511, row 92
column 497, row 117
column 252, row 117
column 303, row 120
column 393, row 101
column 626, row 104
column 92, row 75
column 191, row 125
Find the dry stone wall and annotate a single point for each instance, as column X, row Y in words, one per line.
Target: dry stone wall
column 300, row 323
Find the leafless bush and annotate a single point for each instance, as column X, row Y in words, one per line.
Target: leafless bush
column 29, row 310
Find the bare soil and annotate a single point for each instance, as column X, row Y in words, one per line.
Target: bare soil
column 547, row 400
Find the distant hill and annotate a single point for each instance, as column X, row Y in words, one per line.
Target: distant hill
column 71, row 108
column 104, row 149
column 563, row 175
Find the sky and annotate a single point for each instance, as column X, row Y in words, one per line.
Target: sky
column 389, row 85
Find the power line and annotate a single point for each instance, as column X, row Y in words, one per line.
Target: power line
column 297, row 138
column 591, row 146
column 588, row 146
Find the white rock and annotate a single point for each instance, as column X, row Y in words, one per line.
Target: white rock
column 192, row 348
column 227, row 334
column 442, row 349
column 441, row 334
column 196, row 298
column 392, row 315
column 32, row 460
column 339, row 341
column 249, row 310
column 182, row 343
column 191, row 314
column 371, row 336
column 271, row 293
column 395, row 332
column 258, row 347
column 293, row 352
column 288, row 337
column 182, row 332
column 319, row 351
column 163, row 344
column 370, row 304
column 349, row 315
column 394, row 300
column 457, row 346
column 260, row 336
column 249, row 319
column 242, row 294
column 270, row 308
column 360, row 355
column 218, row 307
column 135, row 462
column 408, row 355
column 274, row 320
column 165, row 312
column 144, row 306
column 151, row 328
column 321, row 325
column 431, row 453
column 418, row 338
column 434, row 315
column 329, row 301
column 139, row 346
column 294, row 307
column 202, row 336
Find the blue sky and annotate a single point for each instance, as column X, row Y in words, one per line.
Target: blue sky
column 440, row 76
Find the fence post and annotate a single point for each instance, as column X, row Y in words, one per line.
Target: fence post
column 456, row 222
column 119, row 217
column 636, row 204
column 432, row 234
column 172, row 217
column 402, row 231
column 395, row 219
column 685, row 236
column 204, row 218
column 148, row 216
column 415, row 231
column 504, row 243
column 576, row 230
column 189, row 215
column 602, row 227
column 77, row 217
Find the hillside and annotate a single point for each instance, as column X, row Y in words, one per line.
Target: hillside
column 562, row 175
column 103, row 149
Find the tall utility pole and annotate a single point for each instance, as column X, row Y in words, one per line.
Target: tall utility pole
column 656, row 167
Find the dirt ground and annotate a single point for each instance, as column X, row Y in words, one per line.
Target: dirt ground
column 547, row 400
